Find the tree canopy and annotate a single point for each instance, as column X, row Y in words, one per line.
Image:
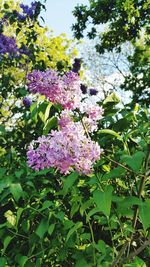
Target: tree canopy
column 126, row 21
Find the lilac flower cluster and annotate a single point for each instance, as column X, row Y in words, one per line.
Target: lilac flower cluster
column 64, row 90
column 92, row 114
column 7, row 45
column 28, row 11
column 67, row 150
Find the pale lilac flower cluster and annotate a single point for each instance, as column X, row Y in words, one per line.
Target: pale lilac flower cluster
column 67, row 150
column 64, row 90
column 70, row 148
column 92, row 114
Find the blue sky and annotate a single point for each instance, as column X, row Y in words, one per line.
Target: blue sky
column 59, row 15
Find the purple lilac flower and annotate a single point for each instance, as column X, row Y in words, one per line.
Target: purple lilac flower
column 7, row 45
column 76, row 65
column 92, row 114
column 64, row 90
column 29, row 11
column 93, row 91
column 83, row 88
column 27, row 102
column 20, row 17
column 67, row 149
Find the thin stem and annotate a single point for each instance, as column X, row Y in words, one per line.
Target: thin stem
column 93, row 240
column 115, row 262
column 37, row 211
column 121, row 165
column 113, row 244
column 17, row 234
column 141, row 187
column 36, row 254
column 138, row 251
column 99, row 184
column 121, row 228
column 85, row 129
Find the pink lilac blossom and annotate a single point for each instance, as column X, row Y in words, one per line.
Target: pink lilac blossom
column 67, row 149
column 64, row 90
column 65, row 118
column 92, row 114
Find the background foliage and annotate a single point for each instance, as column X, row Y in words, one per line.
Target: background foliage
column 126, row 21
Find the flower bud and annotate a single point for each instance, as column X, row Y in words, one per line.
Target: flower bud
column 93, row 91
column 83, row 88
column 27, row 102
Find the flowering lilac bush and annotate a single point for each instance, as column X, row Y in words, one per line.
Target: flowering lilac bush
column 70, row 148
column 71, row 205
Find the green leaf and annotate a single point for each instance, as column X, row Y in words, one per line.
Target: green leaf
column 49, row 125
column 39, row 263
column 46, row 205
column 113, row 98
column 2, row 172
column 134, row 161
column 3, row 185
column 127, row 201
column 111, row 132
column 19, row 212
column 6, row 6
column 22, row 260
column 115, row 173
column 19, row 173
column 74, row 208
column 144, row 212
column 137, row 262
column 34, row 110
column 81, row 263
column 42, row 228
column 91, row 213
column 2, row 129
column 6, row 242
column 103, row 200
column 41, row 115
column 16, row 191
column 2, row 262
column 60, row 215
column 74, row 229
column 46, row 115
column 51, row 228
column 85, row 206
column 68, row 183
column 101, row 247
